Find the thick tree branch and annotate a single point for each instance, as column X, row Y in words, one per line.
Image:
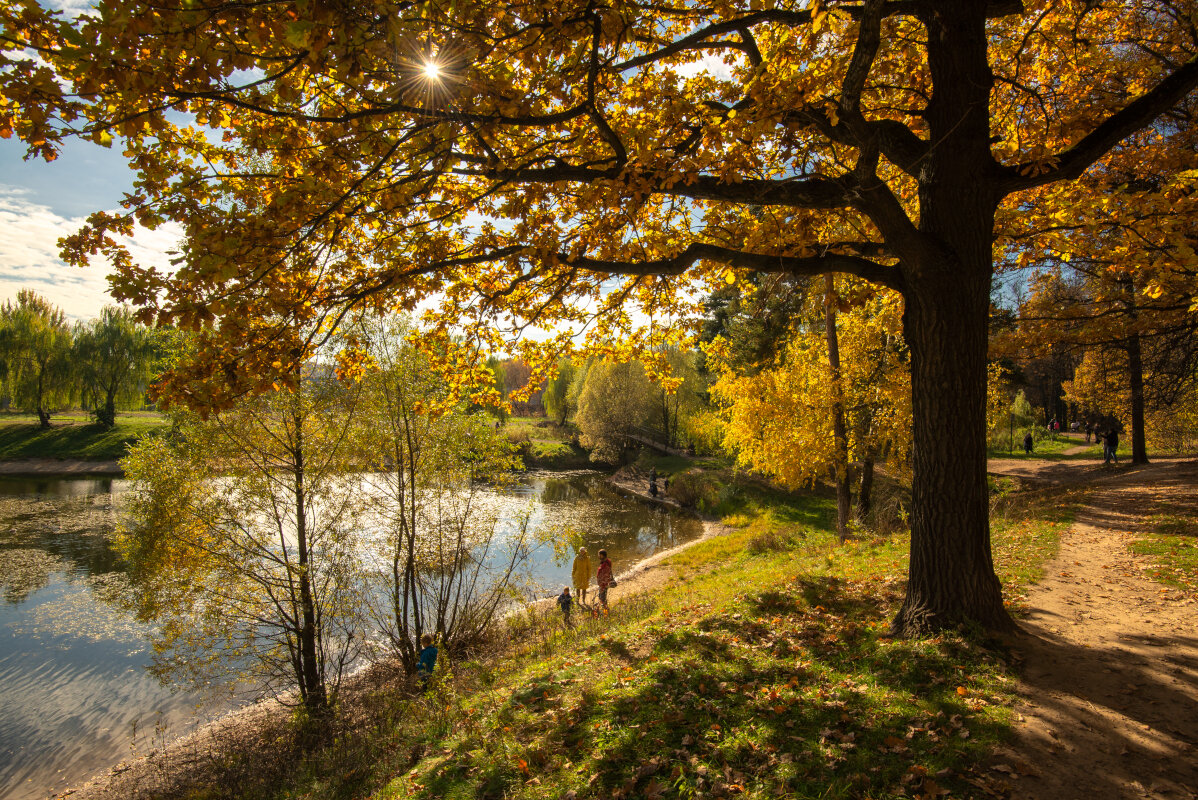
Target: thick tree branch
column 763, row 262
column 864, row 51
column 898, row 143
column 701, row 38
column 1140, row 112
column 801, row 192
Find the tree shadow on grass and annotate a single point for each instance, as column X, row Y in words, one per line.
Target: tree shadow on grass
column 780, row 698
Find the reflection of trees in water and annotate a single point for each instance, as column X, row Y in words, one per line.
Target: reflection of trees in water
column 560, row 490
column 23, row 571
column 626, row 528
column 43, row 536
column 67, row 533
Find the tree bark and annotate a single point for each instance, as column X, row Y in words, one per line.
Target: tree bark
column 947, row 273
column 840, row 436
column 951, row 574
column 311, row 681
column 1135, row 374
column 1135, row 369
column 865, row 492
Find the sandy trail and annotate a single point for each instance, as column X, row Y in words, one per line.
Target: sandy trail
column 1110, row 685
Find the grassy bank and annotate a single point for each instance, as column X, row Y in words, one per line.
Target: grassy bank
column 759, row 669
column 543, row 444
column 1173, row 549
column 72, row 436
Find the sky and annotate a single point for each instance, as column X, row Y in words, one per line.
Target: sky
column 41, row 202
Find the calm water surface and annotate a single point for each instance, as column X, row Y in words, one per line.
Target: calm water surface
column 75, row 696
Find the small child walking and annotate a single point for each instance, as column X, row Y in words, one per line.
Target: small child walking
column 428, row 660
column 565, row 601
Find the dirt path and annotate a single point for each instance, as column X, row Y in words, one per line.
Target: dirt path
column 1110, row 685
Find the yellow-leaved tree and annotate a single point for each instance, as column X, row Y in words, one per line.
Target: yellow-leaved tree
column 570, row 164
column 782, row 420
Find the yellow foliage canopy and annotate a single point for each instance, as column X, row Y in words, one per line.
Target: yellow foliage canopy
column 779, row 420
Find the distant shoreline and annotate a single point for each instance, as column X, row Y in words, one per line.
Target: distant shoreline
column 49, row 467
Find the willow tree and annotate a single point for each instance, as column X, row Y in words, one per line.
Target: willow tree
column 35, row 354
column 116, row 361
column 568, row 161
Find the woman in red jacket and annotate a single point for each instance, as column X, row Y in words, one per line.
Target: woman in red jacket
column 604, row 577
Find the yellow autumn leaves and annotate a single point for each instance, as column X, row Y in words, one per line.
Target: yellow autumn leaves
column 779, row 420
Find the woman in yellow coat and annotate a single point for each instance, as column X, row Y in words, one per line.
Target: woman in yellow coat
column 581, row 574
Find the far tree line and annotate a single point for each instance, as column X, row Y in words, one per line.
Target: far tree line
column 48, row 363
column 808, row 379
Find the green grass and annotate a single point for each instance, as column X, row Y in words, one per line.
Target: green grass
column 762, row 673
column 546, row 445
column 1173, row 550
column 72, row 436
column 1054, row 450
column 538, row 429
column 1043, row 448
column 557, row 456
column 761, row 670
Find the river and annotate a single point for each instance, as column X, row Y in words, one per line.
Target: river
column 75, row 693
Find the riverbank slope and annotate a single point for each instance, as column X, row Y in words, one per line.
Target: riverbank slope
column 72, row 445
column 757, row 666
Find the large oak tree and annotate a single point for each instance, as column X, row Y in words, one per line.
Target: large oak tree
column 579, row 161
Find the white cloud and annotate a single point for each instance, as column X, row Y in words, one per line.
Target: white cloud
column 29, row 234
column 711, row 64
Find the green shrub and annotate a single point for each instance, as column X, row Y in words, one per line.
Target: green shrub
column 696, row 489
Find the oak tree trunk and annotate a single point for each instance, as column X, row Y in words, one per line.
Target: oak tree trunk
column 951, row 574
column 948, row 272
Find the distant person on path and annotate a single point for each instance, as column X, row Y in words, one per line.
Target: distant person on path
column 1112, row 446
column 564, row 601
column 1089, row 431
column 604, row 577
column 1027, row 442
column 427, row 662
column 581, row 575
column 653, row 487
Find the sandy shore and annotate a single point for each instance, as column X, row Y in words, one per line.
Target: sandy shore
column 59, row 466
